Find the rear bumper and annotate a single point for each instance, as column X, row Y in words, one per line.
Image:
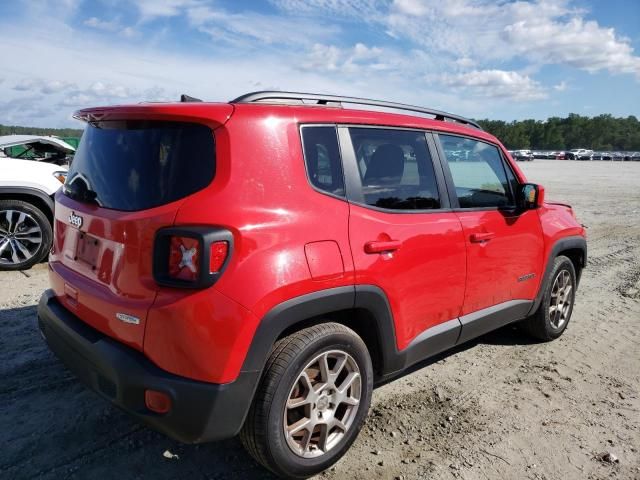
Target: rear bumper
column 200, row 411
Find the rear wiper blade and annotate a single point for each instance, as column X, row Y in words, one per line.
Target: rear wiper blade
column 85, row 195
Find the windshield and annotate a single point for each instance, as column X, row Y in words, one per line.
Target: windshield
column 137, row 164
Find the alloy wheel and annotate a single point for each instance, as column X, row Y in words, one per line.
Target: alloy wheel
column 20, row 237
column 561, row 299
column 322, row 404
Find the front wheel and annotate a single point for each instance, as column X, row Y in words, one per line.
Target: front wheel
column 25, row 235
column 553, row 314
column 312, row 401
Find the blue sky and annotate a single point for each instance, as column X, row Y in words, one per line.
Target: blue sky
column 484, row 59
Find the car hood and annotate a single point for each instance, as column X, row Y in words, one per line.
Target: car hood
column 7, row 141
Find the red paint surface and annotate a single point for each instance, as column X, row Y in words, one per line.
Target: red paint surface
column 283, row 231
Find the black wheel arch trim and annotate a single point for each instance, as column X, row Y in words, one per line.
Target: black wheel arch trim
column 575, row 242
column 30, row 191
column 373, row 299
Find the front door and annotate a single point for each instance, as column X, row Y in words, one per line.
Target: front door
column 403, row 237
column 504, row 244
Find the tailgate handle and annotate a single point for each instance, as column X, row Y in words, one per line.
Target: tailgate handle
column 481, row 237
column 381, row 247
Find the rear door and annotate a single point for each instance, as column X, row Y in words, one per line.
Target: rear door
column 504, row 244
column 404, row 238
column 127, row 180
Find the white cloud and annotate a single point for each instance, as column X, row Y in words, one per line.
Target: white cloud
column 496, row 84
column 108, row 26
column 584, row 45
column 361, row 9
column 483, row 32
column 41, row 85
column 331, row 58
column 244, row 29
column 560, row 87
column 411, row 7
column 150, row 9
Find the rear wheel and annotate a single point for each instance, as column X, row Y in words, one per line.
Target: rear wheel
column 25, row 235
column 553, row 314
column 312, row 401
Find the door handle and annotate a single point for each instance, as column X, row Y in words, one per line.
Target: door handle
column 380, row 247
column 481, row 237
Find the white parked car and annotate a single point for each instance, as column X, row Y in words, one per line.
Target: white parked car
column 579, row 154
column 26, row 198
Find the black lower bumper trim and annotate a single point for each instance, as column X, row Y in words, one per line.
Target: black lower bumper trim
column 200, row 411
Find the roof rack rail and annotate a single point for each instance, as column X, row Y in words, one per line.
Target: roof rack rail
column 327, row 99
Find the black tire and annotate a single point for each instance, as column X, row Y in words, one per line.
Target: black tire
column 541, row 325
column 40, row 219
column 263, row 433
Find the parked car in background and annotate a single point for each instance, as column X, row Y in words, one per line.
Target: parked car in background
column 41, row 148
column 579, row 154
column 522, row 155
column 26, row 197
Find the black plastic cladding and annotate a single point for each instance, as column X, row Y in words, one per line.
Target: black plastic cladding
column 205, row 237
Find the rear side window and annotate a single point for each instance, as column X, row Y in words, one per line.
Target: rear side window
column 478, row 172
column 395, row 168
column 135, row 165
column 322, row 157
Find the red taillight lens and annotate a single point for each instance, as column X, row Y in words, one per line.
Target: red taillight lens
column 218, row 255
column 158, row 402
column 191, row 256
column 184, row 258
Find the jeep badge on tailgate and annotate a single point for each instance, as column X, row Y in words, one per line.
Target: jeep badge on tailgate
column 75, row 220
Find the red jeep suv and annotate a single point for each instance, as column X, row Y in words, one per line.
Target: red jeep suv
column 255, row 267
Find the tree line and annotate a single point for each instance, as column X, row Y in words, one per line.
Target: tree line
column 603, row 132
column 58, row 132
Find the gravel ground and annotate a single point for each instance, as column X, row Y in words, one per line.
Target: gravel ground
column 499, row 407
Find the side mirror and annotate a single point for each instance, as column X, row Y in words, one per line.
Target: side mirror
column 530, row 196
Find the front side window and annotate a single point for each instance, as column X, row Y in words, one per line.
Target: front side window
column 478, row 172
column 395, row 168
column 322, row 157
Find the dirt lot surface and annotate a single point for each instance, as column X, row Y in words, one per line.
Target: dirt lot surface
column 499, row 407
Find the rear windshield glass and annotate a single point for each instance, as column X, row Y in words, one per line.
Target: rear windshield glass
column 135, row 165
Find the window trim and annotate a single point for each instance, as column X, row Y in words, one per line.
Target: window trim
column 344, row 197
column 453, row 197
column 353, row 182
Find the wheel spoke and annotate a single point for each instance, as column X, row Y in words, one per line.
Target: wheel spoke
column 298, row 402
column 26, row 232
column 340, row 363
column 9, row 216
column 14, row 253
column 338, row 424
column 347, row 382
column 302, row 424
column 21, row 218
column 325, row 372
column 567, row 293
column 23, row 250
column 324, row 436
column 304, row 444
column 3, row 245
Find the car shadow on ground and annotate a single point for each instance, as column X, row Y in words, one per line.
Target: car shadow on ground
column 509, row 336
column 53, row 426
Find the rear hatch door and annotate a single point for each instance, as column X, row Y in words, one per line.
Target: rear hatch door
column 128, row 179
